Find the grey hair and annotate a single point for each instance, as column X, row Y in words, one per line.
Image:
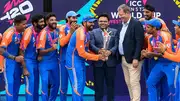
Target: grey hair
column 125, row 8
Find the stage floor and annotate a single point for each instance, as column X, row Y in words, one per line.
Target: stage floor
column 86, row 98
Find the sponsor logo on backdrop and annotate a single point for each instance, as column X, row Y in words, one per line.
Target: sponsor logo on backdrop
column 177, row 2
column 16, row 7
column 94, row 7
column 136, row 7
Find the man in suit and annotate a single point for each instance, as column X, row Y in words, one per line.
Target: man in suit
column 104, row 41
column 131, row 38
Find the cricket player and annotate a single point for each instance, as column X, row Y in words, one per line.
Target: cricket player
column 163, row 66
column 76, row 55
column 48, row 58
column 10, row 50
column 173, row 57
column 66, row 32
column 28, row 46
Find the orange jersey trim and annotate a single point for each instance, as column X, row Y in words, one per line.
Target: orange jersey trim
column 7, row 37
column 64, row 39
column 80, row 36
column 26, row 38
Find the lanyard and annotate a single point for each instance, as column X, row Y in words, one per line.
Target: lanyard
column 52, row 41
column 156, row 39
column 17, row 35
column 155, row 42
column 87, row 35
column 68, row 25
column 35, row 36
column 67, row 28
column 34, row 33
column 178, row 45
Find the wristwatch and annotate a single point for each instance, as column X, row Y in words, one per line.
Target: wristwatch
column 163, row 52
column 14, row 57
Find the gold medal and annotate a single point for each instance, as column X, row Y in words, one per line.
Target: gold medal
column 155, row 58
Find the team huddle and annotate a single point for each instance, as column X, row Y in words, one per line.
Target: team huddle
column 56, row 53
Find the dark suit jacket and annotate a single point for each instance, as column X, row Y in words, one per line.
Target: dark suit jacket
column 133, row 40
column 96, row 43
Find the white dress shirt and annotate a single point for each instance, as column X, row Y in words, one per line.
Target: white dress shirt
column 122, row 34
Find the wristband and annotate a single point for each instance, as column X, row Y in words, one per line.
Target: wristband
column 5, row 54
column 9, row 56
column 12, row 57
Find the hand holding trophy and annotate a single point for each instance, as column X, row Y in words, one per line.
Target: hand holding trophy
column 107, row 37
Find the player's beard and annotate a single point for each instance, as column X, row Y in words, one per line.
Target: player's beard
column 90, row 27
column 53, row 25
column 146, row 17
column 40, row 27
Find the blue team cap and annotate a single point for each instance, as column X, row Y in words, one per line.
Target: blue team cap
column 28, row 25
column 72, row 13
column 154, row 22
column 88, row 18
column 176, row 22
column 143, row 22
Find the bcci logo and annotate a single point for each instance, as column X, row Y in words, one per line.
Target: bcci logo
column 17, row 40
column 20, row 7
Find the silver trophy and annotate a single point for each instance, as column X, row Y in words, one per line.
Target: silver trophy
column 106, row 40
